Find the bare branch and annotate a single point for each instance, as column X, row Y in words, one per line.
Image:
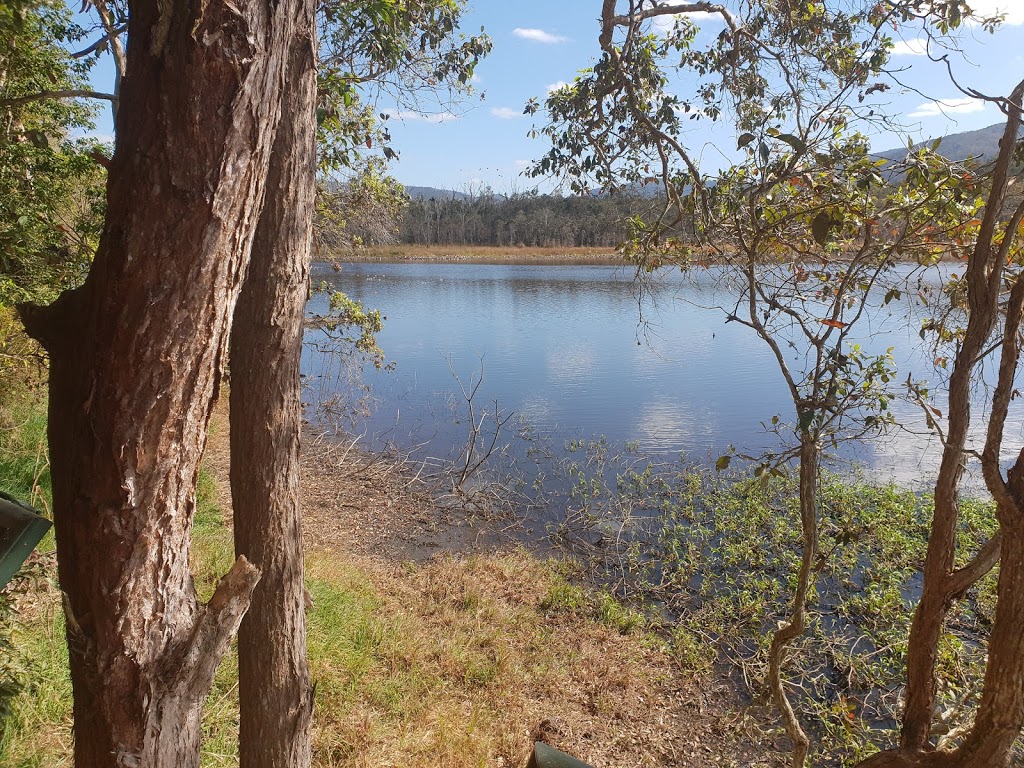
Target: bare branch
column 101, row 43
column 609, row 19
column 964, row 578
column 48, row 95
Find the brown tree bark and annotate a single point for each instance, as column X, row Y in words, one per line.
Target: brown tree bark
column 274, row 689
column 136, row 354
column 810, row 459
column 1000, row 714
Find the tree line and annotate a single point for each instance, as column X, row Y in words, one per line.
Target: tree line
column 522, row 219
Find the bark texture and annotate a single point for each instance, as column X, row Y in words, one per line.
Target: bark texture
column 274, row 688
column 136, row 355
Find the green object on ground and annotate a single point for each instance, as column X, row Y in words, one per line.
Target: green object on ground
column 20, row 530
column 548, row 757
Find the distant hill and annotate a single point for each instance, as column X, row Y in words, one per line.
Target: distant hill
column 426, row 193
column 982, row 144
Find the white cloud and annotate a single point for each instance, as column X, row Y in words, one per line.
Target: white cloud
column 948, row 107
column 506, row 113
column 402, row 114
column 555, row 86
column 522, row 164
column 915, row 47
column 665, row 24
column 538, row 36
column 1014, row 9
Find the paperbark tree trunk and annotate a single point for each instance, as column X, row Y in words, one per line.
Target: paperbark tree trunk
column 136, row 354
column 274, row 689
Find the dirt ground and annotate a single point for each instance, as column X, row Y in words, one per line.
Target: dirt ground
column 619, row 701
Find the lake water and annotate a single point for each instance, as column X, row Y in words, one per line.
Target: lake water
column 576, row 352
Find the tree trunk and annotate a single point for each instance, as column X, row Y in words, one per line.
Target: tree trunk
column 810, row 457
column 1000, row 715
column 274, row 690
column 926, row 627
column 136, row 354
column 1001, row 711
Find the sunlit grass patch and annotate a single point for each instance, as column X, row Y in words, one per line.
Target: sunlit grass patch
column 24, row 463
column 450, row 664
column 36, row 733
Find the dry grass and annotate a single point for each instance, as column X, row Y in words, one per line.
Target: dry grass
column 459, row 664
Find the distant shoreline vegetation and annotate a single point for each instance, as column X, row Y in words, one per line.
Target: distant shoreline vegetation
column 400, row 252
column 493, row 254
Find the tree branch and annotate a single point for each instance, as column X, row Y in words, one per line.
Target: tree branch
column 100, row 43
column 217, row 625
column 667, row 10
column 964, row 578
column 47, row 95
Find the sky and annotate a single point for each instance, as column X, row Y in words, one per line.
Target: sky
column 541, row 43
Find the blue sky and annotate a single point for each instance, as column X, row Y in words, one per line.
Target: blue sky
column 539, row 43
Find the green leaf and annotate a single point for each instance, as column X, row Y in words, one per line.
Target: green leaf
column 806, row 419
column 723, row 462
column 821, row 226
column 744, row 140
column 795, row 142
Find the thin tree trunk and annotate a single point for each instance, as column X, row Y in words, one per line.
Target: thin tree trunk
column 809, row 460
column 1001, row 711
column 136, row 355
column 926, row 627
column 274, row 689
column 1000, row 716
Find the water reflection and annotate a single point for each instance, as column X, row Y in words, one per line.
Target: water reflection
column 577, row 352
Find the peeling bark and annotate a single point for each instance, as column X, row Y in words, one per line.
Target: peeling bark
column 274, row 688
column 136, row 355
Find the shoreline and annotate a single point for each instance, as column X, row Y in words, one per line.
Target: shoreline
column 512, row 255
column 400, row 254
column 360, row 511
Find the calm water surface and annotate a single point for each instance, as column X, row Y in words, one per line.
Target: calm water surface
column 577, row 353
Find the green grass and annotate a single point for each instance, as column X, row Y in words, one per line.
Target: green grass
column 37, row 730
column 24, row 466
column 34, row 685
column 569, row 597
